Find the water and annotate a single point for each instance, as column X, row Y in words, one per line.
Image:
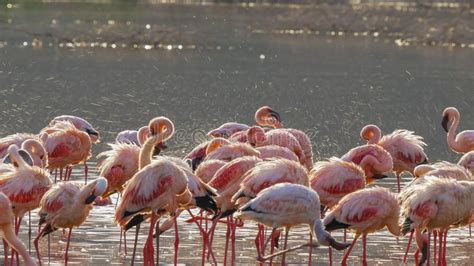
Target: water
column 205, row 65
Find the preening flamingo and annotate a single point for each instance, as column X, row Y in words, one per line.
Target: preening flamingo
column 404, row 146
column 437, row 204
column 287, row 205
column 365, row 211
column 24, row 185
column 467, row 161
column 227, row 129
column 66, row 146
column 14, row 139
column 463, row 141
column 334, row 178
column 208, row 168
column 6, row 230
column 79, row 123
column 373, row 159
column 266, row 116
column 443, row 169
column 67, row 205
column 258, row 138
column 37, row 152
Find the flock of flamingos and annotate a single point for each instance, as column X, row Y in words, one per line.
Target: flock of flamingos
column 262, row 173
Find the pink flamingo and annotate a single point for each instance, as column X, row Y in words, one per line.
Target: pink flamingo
column 373, row 159
column 287, row 205
column 66, row 146
column 443, row 169
column 8, row 233
column 266, row 116
column 14, row 139
column 467, row 161
column 67, row 205
column 208, row 168
column 463, row 141
column 24, row 185
column 258, row 138
column 155, row 187
column 79, row 123
column 275, row 151
column 334, row 178
column 225, row 150
column 365, row 211
column 437, row 204
column 405, row 148
column 227, row 129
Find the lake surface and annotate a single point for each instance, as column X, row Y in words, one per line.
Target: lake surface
column 202, row 66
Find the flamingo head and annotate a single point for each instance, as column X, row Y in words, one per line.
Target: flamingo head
column 448, row 115
column 15, row 154
column 266, row 116
column 80, row 124
column 256, row 135
column 97, row 188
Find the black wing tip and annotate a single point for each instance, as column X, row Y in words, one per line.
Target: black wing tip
column 206, row 203
column 136, row 220
column 335, row 224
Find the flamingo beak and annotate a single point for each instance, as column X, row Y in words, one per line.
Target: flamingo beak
column 379, row 176
column 445, row 122
column 91, row 198
column 206, row 203
column 94, row 135
column 275, row 115
column 158, row 148
column 195, row 162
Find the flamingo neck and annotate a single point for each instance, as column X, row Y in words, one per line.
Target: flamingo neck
column 146, row 153
column 451, row 137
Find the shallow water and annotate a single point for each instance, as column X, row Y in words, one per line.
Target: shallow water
column 210, row 69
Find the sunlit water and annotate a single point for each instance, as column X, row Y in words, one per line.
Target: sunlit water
column 213, row 69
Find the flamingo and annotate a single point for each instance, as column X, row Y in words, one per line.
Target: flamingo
column 67, row 205
column 443, row 169
column 463, row 141
column 266, row 116
column 222, row 149
column 206, row 170
column 404, row 146
column 8, row 233
column 365, row 211
column 373, row 159
column 14, row 139
column 227, row 129
column 154, row 188
column 275, row 151
column 437, row 204
column 467, row 161
column 66, row 146
column 79, row 123
column 334, row 178
column 258, row 138
column 24, row 185
column 128, row 136
column 287, row 205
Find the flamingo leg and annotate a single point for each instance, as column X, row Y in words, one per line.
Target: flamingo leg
column 5, row 250
column 408, row 247
column 344, row 259
column 60, row 174
column 435, row 236
column 135, row 244
column 445, row 238
column 428, row 250
column 310, row 259
column 157, row 233
column 330, row 256
column 125, row 242
column 147, row 257
column 227, row 236
column 364, row 250
column 86, row 171
column 287, row 230
column 398, row 182
column 66, row 257
column 29, row 231
column 55, row 176
column 440, row 250
column 120, row 241
column 176, row 240
column 234, row 227
column 205, row 236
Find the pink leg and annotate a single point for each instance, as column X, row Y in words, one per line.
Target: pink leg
column 364, row 250
column 67, row 246
column 344, row 259
column 310, row 259
column 435, row 236
column 445, row 238
column 428, row 250
column 234, row 227
column 398, row 182
column 345, row 235
column 408, row 247
column 287, row 230
column 330, row 256
column 205, row 236
column 227, row 236
column 36, row 243
column 60, row 174
column 125, row 242
column 5, row 250
column 135, row 244
column 440, row 250
column 86, row 171
column 417, row 254
column 120, row 241
column 272, row 247
column 257, row 241
column 147, row 257
column 176, row 240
